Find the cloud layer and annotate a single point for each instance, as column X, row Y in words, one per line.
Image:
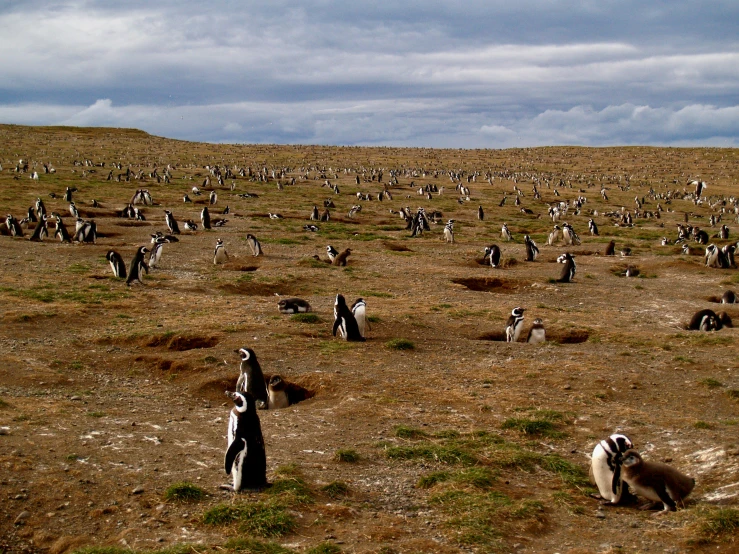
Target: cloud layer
column 412, row 73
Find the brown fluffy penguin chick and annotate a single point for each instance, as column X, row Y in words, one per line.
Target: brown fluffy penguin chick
column 656, row 481
column 341, row 258
column 277, row 393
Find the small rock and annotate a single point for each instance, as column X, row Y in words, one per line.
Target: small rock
column 4, row 430
column 75, row 398
column 22, row 517
column 600, row 515
column 138, row 490
column 567, row 387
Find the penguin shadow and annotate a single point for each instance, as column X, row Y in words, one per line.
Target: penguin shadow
column 558, row 337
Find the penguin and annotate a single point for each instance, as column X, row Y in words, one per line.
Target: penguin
column 220, row 255
column 553, row 236
column 73, row 210
column 40, row 231
column 493, row 252
column 592, row 227
column 256, row 248
column 13, row 226
column 665, row 242
column 275, row 216
column 205, row 217
column 626, row 251
column 40, row 208
column 631, row 271
column 186, row 199
column 514, row 325
column 138, row 265
column 532, row 251
column 656, row 481
column 311, row 228
column 359, row 310
column 277, row 392
column 155, row 256
column 728, row 297
column 332, row 253
column 61, row 230
column 226, row 210
column 213, row 198
column 68, row 194
column 326, row 215
column 705, row 320
column 251, row 379
column 345, row 322
column 480, row 213
column 246, row 459
column 611, row 248
column 314, row 214
column 537, row 334
column 505, row 233
column 190, row 225
column 138, row 214
column 605, row 468
column 87, row 232
column 568, row 271
column 340, row 260
column 449, row 231
column 293, row 306
column 31, row 215
column 171, row 223
column 116, row 264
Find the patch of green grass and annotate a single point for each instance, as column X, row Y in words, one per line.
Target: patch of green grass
column 174, row 549
column 291, row 490
column 683, row 359
column 428, row 481
column 702, row 425
column 733, row 394
column 96, row 414
column 346, row 456
column 400, row 344
column 324, row 548
column 184, row 492
column 404, row 432
column 377, row 294
column 210, row 360
column 718, row 525
column 260, row 518
column 305, row 318
column 253, row 546
column 528, row 426
column 332, row 346
column 374, row 318
column 336, row 489
column 711, row 383
column 478, row 477
column 447, row 454
column 4, row 404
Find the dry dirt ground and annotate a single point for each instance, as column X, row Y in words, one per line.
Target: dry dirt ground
column 111, row 394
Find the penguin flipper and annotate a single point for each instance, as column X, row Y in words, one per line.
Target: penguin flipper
column 236, row 446
column 337, row 322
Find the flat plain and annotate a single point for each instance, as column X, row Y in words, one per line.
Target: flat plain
column 434, row 435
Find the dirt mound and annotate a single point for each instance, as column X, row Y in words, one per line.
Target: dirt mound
column 490, row 284
column 180, row 343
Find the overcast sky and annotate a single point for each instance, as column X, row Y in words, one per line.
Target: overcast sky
column 405, row 73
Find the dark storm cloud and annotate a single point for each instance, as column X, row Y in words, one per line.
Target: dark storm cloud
column 406, row 73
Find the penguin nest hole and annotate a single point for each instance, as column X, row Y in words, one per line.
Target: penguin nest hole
column 299, row 389
column 486, row 284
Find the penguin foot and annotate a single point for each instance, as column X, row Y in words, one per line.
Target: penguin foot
column 651, row 506
column 226, row 487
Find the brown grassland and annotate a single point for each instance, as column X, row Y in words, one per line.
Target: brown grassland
column 431, row 436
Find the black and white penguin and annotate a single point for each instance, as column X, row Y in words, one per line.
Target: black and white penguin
column 537, row 334
column 155, row 256
column 172, row 225
column 554, row 235
column 138, row 266
column 186, row 199
column 41, row 231
column 275, row 216
column 728, row 297
column 293, row 306
column 68, row 194
column 345, row 322
column 449, row 231
column 314, row 216
column 705, row 320
column 40, row 208
column 332, row 253
column 31, row 215
column 514, row 325
column 61, row 230
column 205, row 217
column 256, row 248
column 74, row 212
column 665, row 242
column 190, row 225
column 311, row 228
column 505, row 233
column 532, row 251
column 631, row 271
column 592, row 227
column 246, row 459
column 568, row 271
column 480, row 213
column 213, row 198
column 220, row 256
column 493, row 253
column 605, row 468
column 277, row 392
column 251, row 378
column 14, row 227
column 359, row 310
column 87, row 232
column 116, row 264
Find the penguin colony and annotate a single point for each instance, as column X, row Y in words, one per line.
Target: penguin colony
column 615, row 464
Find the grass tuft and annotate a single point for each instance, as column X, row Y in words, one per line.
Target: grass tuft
column 403, row 432
column 347, row 456
column 400, row 344
column 305, row 318
column 718, row 525
column 733, row 394
column 261, row 518
column 184, row 492
column 711, row 383
column 336, row 489
column 446, row 454
column 324, row 548
column 531, row 426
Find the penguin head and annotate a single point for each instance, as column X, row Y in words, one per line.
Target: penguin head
column 143, row 250
column 247, row 354
column 623, row 442
column 241, row 401
column 538, row 322
column 219, row 242
column 517, row 311
column 276, row 383
column 109, row 255
column 340, row 301
column 632, row 458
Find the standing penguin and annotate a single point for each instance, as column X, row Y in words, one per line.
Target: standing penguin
column 116, row 264
column 138, row 266
column 611, row 248
column 728, row 297
column 359, row 310
column 493, row 252
column 205, row 217
column 505, row 233
column 314, row 214
column 256, row 248
column 449, row 231
column 592, row 227
column 568, row 271
column 277, row 391
column 213, row 198
column 251, row 378
column 155, row 255
column 340, row 260
column 220, row 256
column 246, row 459
column 656, row 481
column 345, row 322
column 605, row 468
column 537, row 334
column 532, row 251
column 40, row 231
column 61, row 230
column 13, row 226
column 480, row 213
column 172, row 225
column 332, row 253
column 514, row 325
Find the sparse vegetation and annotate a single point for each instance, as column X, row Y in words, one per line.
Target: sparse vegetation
column 305, row 318
column 260, row 518
column 184, row 492
column 335, row 489
column 347, row 456
column 400, row 344
column 718, row 525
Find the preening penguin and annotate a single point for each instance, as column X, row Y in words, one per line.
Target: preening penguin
column 40, row 231
column 340, row 260
column 293, row 306
column 138, row 266
column 87, row 232
column 359, row 310
column 705, row 320
column 251, row 378
column 345, row 322
column 568, row 271
column 220, row 255
column 532, row 251
column 514, row 325
column 246, row 459
column 493, row 253
column 332, row 253
column 256, row 248
column 116, row 264
column 277, row 391
column 155, row 256
column 656, row 481
column 14, row 227
column 172, row 225
column 537, row 334
column 605, row 468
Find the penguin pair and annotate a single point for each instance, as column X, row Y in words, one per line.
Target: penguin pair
column 708, row 320
column 514, row 327
column 568, row 271
column 605, row 468
column 345, row 321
